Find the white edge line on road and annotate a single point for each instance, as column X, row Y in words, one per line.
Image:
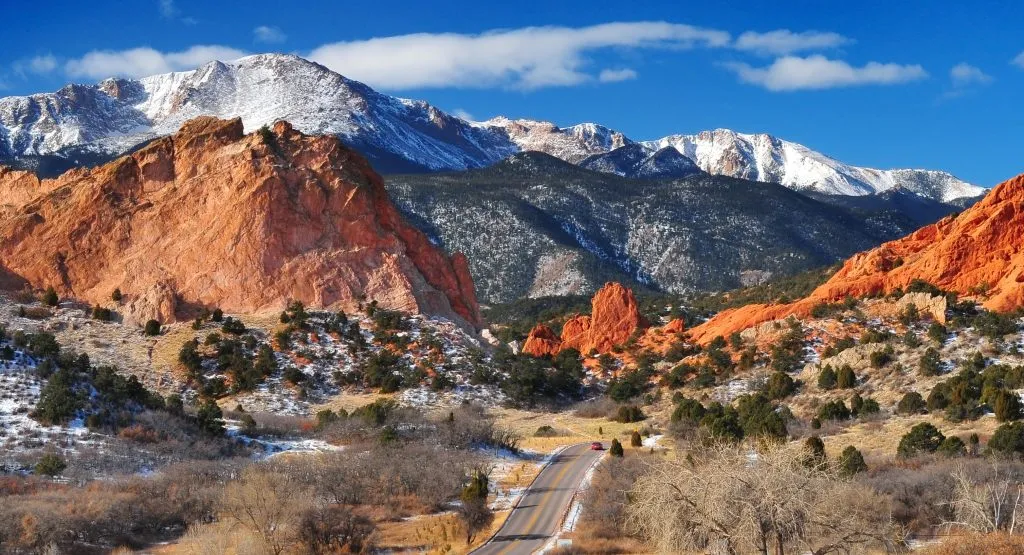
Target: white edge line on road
column 515, row 505
column 583, row 485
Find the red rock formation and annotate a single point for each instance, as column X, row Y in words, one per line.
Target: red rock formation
column 576, row 332
column 613, row 319
column 981, row 247
column 212, row 217
column 542, row 341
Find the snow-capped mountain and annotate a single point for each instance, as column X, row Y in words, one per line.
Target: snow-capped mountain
column 769, row 159
column 399, row 135
column 637, row 160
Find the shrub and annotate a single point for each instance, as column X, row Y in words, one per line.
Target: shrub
column 116, row 296
column 1008, row 439
column 929, row 364
column 209, row 417
column 688, row 410
column 834, row 410
column 937, row 333
column 846, row 378
column 882, row 357
column 102, row 314
column 827, row 378
column 780, row 385
column 1006, row 406
column 628, row 414
column 952, row 446
column 50, row 465
column 545, row 431
column 152, row 328
column 233, row 326
column 851, row 461
column 635, row 440
column 922, row 438
column 50, row 297
column 911, row 403
column 815, row 452
column 616, row 449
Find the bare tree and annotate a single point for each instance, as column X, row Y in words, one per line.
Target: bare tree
column 729, row 499
column 985, row 503
column 267, row 504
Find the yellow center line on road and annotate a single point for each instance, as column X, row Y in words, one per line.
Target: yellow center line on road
column 539, row 509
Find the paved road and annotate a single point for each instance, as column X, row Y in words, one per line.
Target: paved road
column 539, row 514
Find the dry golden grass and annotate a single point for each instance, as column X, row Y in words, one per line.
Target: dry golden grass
column 433, row 534
column 879, row 439
column 973, row 544
column 576, row 429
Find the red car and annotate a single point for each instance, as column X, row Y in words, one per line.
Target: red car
column 596, row 446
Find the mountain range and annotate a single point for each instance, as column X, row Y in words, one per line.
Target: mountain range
column 534, row 225
column 88, row 124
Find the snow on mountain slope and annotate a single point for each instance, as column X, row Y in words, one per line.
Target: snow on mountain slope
column 400, row 135
column 571, row 144
column 766, row 158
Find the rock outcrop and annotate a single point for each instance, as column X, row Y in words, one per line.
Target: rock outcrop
column 979, row 253
column 613, row 319
column 542, row 341
column 212, row 217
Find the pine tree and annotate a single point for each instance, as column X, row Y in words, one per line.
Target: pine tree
column 616, row 449
column 851, row 461
column 635, row 440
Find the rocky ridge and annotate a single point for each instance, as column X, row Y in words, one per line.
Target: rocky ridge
column 977, row 253
column 212, row 217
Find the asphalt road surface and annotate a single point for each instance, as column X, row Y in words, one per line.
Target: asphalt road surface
column 538, row 516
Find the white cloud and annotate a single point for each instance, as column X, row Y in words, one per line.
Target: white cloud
column 791, row 73
column 168, row 9
column 460, row 113
column 1018, row 61
column 263, row 33
column 139, row 62
column 964, row 74
column 616, row 75
column 527, row 58
column 39, row 64
column 784, row 41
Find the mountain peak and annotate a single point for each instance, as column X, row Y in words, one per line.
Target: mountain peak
column 398, row 135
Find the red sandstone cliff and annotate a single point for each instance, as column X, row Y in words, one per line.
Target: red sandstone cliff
column 212, row 217
column 980, row 249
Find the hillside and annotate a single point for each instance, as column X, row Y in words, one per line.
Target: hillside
column 535, row 226
column 976, row 253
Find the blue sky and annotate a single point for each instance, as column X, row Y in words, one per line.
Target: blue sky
column 883, row 84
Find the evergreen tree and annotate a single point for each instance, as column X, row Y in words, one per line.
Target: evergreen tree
column 922, row 438
column 845, row 378
column 152, row 328
column 851, row 461
column 815, row 452
column 827, row 378
column 911, row 403
column 635, row 440
column 50, row 465
column 210, row 418
column 616, row 449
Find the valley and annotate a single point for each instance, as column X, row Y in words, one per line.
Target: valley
column 260, row 307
